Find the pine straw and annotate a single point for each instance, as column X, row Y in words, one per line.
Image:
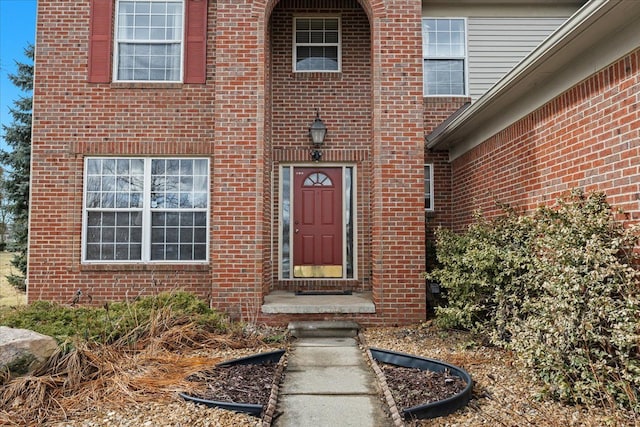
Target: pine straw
column 149, row 364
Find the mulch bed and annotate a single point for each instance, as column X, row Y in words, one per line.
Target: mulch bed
column 252, row 384
column 413, row 387
column 237, row 383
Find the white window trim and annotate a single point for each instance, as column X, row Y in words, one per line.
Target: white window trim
column 464, row 58
column 431, row 208
column 116, row 42
column 295, row 45
column 146, row 209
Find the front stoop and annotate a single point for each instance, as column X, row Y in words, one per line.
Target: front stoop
column 282, row 302
column 324, row 329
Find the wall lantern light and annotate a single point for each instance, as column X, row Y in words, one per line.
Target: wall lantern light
column 317, row 132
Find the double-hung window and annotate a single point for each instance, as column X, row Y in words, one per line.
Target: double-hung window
column 444, row 54
column 146, row 209
column 317, row 44
column 149, row 40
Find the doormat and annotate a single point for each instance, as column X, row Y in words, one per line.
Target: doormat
column 301, row 293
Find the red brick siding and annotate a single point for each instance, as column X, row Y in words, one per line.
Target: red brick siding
column 398, row 174
column 239, row 119
column 239, row 160
column 344, row 99
column 73, row 119
column 268, row 232
column 437, row 110
column 588, row 137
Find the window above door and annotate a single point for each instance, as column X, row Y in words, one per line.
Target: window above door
column 317, row 44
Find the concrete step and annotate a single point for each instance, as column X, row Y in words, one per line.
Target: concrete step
column 283, row 302
column 324, row 328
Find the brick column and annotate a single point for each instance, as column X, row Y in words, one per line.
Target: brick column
column 238, row 163
column 398, row 190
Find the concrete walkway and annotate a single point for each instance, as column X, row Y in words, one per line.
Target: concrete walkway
column 328, row 383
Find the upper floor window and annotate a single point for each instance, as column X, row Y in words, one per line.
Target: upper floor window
column 444, row 53
column 428, row 187
column 149, row 41
column 145, row 209
column 317, row 44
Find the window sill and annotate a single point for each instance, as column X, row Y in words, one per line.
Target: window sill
column 145, row 267
column 441, row 97
column 146, row 85
column 317, row 75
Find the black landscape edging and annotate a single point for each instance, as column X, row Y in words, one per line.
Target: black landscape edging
column 246, row 408
column 433, row 409
column 255, row 359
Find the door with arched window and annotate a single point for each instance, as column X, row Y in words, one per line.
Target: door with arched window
column 317, row 222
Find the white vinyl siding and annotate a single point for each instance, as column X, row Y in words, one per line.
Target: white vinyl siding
column 496, row 45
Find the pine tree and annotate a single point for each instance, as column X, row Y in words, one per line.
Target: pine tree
column 5, row 215
column 17, row 167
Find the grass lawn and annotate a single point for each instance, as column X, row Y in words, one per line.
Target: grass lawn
column 8, row 294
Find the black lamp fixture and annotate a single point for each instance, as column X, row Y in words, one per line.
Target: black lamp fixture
column 317, row 132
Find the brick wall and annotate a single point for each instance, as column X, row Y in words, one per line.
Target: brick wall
column 588, row 137
column 73, row 119
column 398, row 176
column 237, row 235
column 343, row 98
column 250, row 114
column 436, row 111
column 438, row 108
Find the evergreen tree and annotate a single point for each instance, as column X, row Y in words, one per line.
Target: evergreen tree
column 5, row 215
column 17, row 167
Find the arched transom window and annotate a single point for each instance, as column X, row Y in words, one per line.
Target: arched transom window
column 318, row 179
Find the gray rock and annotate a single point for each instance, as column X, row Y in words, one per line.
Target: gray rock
column 22, row 351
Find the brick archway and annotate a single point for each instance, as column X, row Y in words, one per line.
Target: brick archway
column 372, row 13
column 375, row 9
column 396, row 126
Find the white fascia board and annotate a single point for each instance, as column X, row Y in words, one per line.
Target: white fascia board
column 598, row 34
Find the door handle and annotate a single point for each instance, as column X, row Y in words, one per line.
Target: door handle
column 297, row 230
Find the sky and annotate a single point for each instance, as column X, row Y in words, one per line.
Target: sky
column 17, row 30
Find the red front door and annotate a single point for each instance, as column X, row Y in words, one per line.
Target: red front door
column 317, row 222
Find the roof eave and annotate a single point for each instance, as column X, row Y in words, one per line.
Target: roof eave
column 571, row 39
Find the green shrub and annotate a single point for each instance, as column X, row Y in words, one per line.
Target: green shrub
column 559, row 288
column 111, row 321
